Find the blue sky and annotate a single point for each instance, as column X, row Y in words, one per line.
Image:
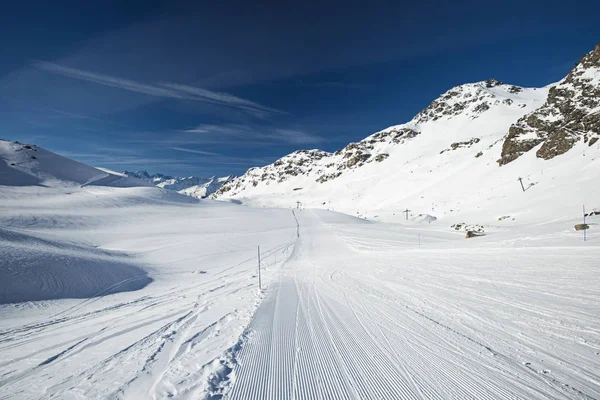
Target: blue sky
column 212, row 89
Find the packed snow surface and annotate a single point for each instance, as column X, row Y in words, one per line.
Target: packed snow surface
column 350, row 309
column 165, row 339
column 369, row 311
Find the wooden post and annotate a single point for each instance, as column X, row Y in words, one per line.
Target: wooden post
column 406, row 211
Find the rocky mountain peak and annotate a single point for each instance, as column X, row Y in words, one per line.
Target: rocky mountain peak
column 492, row 82
column 592, row 59
column 570, row 113
column 471, row 99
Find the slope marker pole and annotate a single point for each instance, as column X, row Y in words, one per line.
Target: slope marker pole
column 521, row 180
column 259, row 281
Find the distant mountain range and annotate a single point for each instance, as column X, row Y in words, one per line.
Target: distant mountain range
column 193, row 186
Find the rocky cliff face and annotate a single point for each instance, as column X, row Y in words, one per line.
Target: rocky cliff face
column 571, row 113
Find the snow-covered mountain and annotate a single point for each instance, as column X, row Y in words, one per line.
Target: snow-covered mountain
column 30, row 165
column 205, row 189
column 452, row 158
column 193, row 186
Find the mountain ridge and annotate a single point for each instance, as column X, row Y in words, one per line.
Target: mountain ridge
column 193, row 186
column 449, row 153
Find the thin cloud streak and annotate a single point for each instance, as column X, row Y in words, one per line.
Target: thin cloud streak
column 224, row 133
column 206, row 153
column 165, row 90
column 221, row 97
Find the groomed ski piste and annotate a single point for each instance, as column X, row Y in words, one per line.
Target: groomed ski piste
column 350, row 309
column 366, row 311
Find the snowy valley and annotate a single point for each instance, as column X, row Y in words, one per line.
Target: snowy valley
column 138, row 286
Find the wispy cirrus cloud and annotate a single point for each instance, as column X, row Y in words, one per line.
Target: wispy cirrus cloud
column 163, row 89
column 204, row 153
column 259, row 134
column 228, row 129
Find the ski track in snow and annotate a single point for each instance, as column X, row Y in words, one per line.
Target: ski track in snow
column 165, row 340
column 352, row 310
column 335, row 327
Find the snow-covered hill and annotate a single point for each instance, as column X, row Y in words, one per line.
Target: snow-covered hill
column 193, row 186
column 30, row 165
column 445, row 161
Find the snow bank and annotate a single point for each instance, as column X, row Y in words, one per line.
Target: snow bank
column 34, row 268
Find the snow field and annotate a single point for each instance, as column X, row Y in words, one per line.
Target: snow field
column 169, row 338
column 440, row 322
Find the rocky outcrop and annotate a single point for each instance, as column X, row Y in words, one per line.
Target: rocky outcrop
column 472, row 234
column 462, row 145
column 571, row 113
column 471, row 99
column 322, row 165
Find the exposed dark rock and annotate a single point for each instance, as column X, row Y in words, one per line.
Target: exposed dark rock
column 482, row 107
column 492, row 82
column 558, row 143
column 325, row 178
column 357, row 158
column 381, row 157
column 515, row 89
column 563, row 120
column 460, row 145
column 472, row 234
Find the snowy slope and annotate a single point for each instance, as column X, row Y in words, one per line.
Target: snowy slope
column 193, row 186
column 25, row 165
column 361, row 311
column 444, row 163
column 128, row 337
